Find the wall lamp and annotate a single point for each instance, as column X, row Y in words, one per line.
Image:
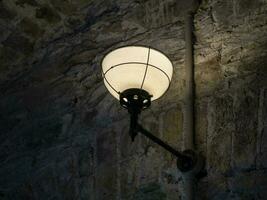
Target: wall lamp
column 137, row 75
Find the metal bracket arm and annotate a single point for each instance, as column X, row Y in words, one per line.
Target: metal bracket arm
column 186, row 160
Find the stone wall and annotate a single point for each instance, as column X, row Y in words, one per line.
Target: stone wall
column 63, row 136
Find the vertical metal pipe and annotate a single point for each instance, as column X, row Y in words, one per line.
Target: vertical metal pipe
column 188, row 136
column 188, row 133
column 189, row 185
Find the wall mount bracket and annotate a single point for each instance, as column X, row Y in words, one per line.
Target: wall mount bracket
column 135, row 100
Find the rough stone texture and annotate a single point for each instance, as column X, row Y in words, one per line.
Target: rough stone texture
column 62, row 136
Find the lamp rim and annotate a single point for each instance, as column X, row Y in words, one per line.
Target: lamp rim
column 120, row 47
column 144, row 46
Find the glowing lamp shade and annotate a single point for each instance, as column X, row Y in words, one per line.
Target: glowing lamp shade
column 137, row 67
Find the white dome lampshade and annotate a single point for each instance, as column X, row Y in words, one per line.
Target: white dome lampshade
column 137, row 67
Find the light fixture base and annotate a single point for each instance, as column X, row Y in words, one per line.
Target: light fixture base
column 189, row 162
column 135, row 99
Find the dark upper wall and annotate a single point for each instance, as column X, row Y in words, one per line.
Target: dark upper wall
column 62, row 136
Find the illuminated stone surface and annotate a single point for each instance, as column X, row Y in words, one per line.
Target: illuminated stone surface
column 63, row 136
